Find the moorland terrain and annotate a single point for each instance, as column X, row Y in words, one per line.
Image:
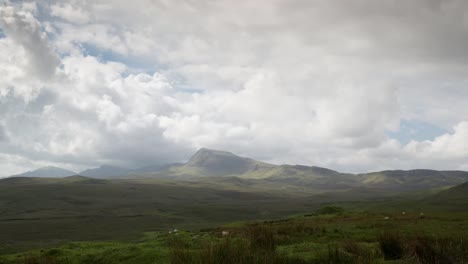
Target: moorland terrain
column 222, row 208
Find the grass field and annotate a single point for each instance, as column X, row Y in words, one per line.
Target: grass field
column 83, row 220
column 326, row 236
column 41, row 212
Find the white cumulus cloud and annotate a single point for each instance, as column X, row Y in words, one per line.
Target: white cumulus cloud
column 313, row 82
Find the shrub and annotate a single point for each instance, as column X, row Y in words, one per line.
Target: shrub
column 426, row 250
column 333, row 255
column 262, row 238
column 361, row 254
column 40, row 259
column 182, row 256
column 231, row 251
column 179, row 241
column 391, row 245
column 226, row 251
column 330, row 210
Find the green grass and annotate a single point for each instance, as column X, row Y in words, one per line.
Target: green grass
column 38, row 212
column 81, row 220
column 347, row 237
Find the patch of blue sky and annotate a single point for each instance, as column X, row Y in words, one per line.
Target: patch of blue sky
column 134, row 64
column 415, row 130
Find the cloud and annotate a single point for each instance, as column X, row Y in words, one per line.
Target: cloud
column 449, row 146
column 313, row 82
column 70, row 13
column 3, row 136
column 100, row 36
column 25, row 30
column 27, row 59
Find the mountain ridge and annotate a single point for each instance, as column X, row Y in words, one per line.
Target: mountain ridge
column 47, row 171
column 207, row 164
column 105, row 171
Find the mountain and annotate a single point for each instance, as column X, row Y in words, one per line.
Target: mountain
column 105, row 171
column 208, row 166
column 49, row 171
column 207, row 162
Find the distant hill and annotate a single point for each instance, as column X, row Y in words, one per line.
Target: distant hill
column 208, row 166
column 105, row 171
column 413, row 179
column 49, row 171
column 456, row 196
column 461, row 190
column 152, row 168
column 12, row 181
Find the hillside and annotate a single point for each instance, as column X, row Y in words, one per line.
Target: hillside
column 48, row 171
column 207, row 164
column 304, row 176
column 105, row 171
column 77, row 208
column 210, row 166
column 412, row 179
column 455, row 197
column 82, row 208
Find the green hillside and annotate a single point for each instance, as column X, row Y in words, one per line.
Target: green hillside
column 33, row 210
column 455, row 197
column 211, row 166
column 221, row 168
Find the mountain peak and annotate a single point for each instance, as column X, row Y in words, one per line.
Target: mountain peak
column 214, row 151
column 204, row 153
column 217, row 163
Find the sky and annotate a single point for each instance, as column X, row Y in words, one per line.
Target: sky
column 355, row 86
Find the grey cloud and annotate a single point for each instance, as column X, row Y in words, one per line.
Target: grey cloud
column 45, row 97
column 3, row 136
column 315, row 82
column 24, row 29
column 417, row 31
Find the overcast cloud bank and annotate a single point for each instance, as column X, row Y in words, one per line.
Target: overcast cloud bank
column 324, row 83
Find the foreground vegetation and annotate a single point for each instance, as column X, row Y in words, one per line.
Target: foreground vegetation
column 82, row 220
column 328, row 235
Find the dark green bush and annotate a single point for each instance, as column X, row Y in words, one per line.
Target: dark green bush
column 40, row 259
column 424, row 249
column 330, row 210
column 333, row 255
column 261, row 238
column 231, row 251
column 361, row 254
column 391, row 245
